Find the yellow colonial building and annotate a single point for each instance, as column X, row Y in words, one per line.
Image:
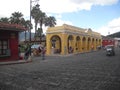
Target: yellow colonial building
column 68, row 39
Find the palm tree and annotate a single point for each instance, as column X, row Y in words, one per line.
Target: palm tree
column 4, row 20
column 16, row 18
column 35, row 15
column 50, row 21
column 39, row 33
column 41, row 18
column 28, row 25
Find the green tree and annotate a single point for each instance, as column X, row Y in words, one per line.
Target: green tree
column 35, row 15
column 42, row 19
column 50, row 21
column 4, row 20
column 27, row 24
column 16, row 18
column 39, row 33
column 39, row 18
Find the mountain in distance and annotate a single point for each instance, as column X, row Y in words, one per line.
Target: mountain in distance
column 117, row 34
column 22, row 36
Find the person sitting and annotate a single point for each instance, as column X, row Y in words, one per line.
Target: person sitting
column 70, row 50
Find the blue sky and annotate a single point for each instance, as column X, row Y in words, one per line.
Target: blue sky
column 95, row 18
column 102, row 16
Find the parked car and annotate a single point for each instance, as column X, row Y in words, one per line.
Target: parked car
column 110, row 50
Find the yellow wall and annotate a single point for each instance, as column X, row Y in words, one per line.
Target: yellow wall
column 87, row 38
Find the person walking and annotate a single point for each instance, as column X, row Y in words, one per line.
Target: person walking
column 92, row 47
column 27, row 52
column 43, row 53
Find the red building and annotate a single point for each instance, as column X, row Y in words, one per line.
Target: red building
column 9, row 39
column 107, row 41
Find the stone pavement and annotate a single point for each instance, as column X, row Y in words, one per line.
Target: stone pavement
column 89, row 71
column 27, row 61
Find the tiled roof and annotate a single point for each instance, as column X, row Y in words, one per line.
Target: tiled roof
column 15, row 27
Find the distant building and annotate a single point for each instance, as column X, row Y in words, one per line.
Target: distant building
column 9, row 39
column 107, row 41
column 117, row 42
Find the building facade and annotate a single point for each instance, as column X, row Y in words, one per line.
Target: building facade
column 68, row 39
column 107, row 41
column 117, row 42
column 9, row 40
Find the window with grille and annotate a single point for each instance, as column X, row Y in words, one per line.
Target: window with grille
column 3, row 47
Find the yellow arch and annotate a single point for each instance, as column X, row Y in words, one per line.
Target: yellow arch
column 81, row 40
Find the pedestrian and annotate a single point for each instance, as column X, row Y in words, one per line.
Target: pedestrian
column 70, row 50
column 43, row 53
column 92, row 47
column 27, row 53
column 39, row 49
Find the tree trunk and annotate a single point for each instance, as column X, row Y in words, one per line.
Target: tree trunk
column 35, row 31
column 41, row 23
column 25, row 36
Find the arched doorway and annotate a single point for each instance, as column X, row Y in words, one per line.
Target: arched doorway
column 78, row 44
column 97, row 43
column 70, row 44
column 84, row 44
column 93, row 44
column 55, row 44
column 89, row 44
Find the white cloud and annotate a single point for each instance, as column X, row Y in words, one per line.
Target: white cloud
column 115, row 23
column 58, row 7
column 50, row 6
column 112, row 27
column 7, row 7
column 62, row 6
column 96, row 2
column 61, row 22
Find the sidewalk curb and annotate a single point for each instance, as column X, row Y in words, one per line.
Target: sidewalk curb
column 15, row 62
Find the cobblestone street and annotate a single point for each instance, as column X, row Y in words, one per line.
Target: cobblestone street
column 87, row 71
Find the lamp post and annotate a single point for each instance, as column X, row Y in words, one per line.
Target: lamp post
column 30, row 22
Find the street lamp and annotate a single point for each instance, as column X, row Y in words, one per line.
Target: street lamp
column 30, row 22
